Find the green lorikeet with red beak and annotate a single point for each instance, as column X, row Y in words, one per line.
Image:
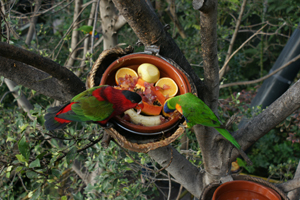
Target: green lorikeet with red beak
column 98, row 104
column 195, row 111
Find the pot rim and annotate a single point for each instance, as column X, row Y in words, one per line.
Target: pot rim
column 246, row 182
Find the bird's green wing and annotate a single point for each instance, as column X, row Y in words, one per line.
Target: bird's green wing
column 86, row 93
column 196, row 111
column 85, row 29
column 93, row 109
column 88, row 107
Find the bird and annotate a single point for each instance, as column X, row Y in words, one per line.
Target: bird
column 195, row 111
column 98, row 104
column 88, row 30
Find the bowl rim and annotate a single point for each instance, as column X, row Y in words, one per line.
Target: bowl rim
column 240, row 182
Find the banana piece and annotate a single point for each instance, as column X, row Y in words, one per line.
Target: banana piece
column 144, row 120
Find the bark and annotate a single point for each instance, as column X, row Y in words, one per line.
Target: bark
column 69, row 82
column 215, row 158
column 295, row 194
column 150, row 31
column 35, row 79
column 33, row 21
column 75, row 33
column 109, row 16
column 181, row 169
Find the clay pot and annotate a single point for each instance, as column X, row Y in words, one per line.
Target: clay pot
column 166, row 70
column 246, row 190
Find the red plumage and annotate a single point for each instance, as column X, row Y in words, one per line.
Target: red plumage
column 98, row 104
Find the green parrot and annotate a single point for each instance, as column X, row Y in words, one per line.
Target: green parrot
column 88, row 30
column 195, row 111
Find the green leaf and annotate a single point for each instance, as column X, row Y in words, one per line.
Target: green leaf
column 31, row 174
column 56, row 172
column 24, row 148
column 41, row 120
column 71, row 155
column 21, row 158
column 7, row 174
column 19, row 168
column 36, row 194
column 64, row 198
column 35, row 163
column 9, row 168
column 128, row 160
column 23, row 128
column 10, row 139
column 41, row 155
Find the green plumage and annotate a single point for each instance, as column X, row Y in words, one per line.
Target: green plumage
column 88, row 108
column 195, row 112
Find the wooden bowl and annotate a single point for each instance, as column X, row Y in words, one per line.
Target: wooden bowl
column 166, row 70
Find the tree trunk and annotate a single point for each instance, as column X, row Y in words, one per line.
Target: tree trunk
column 33, row 21
column 108, row 14
column 75, row 33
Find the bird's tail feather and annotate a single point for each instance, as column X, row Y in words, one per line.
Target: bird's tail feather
column 50, row 122
column 229, row 137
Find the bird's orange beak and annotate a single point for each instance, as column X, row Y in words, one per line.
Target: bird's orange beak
column 178, row 107
column 139, row 107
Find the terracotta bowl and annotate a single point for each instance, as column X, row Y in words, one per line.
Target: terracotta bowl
column 166, row 70
column 246, row 190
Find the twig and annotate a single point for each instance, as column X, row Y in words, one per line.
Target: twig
column 227, row 61
column 93, row 33
column 170, row 186
column 179, row 192
column 262, row 78
column 67, row 32
column 22, row 183
column 237, row 27
column 6, row 93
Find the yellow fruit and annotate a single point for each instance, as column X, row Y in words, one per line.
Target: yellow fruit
column 168, row 85
column 148, row 72
column 121, row 73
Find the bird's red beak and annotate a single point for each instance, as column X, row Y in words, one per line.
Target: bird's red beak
column 139, row 107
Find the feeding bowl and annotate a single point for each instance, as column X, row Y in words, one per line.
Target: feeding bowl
column 246, row 190
column 166, row 70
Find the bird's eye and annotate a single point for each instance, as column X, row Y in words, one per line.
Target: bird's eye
column 132, row 101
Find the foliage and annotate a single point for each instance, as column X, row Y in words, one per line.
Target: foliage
column 276, row 154
column 37, row 164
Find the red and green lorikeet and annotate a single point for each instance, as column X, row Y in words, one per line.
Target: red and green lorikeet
column 98, row 104
column 195, row 111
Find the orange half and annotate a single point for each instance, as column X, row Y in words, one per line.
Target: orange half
column 170, row 85
column 121, row 73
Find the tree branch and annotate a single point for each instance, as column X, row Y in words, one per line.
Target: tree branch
column 237, row 27
column 294, row 194
column 70, row 82
column 34, row 79
column 150, row 31
column 180, row 168
column 262, row 78
column 261, row 124
column 290, row 185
